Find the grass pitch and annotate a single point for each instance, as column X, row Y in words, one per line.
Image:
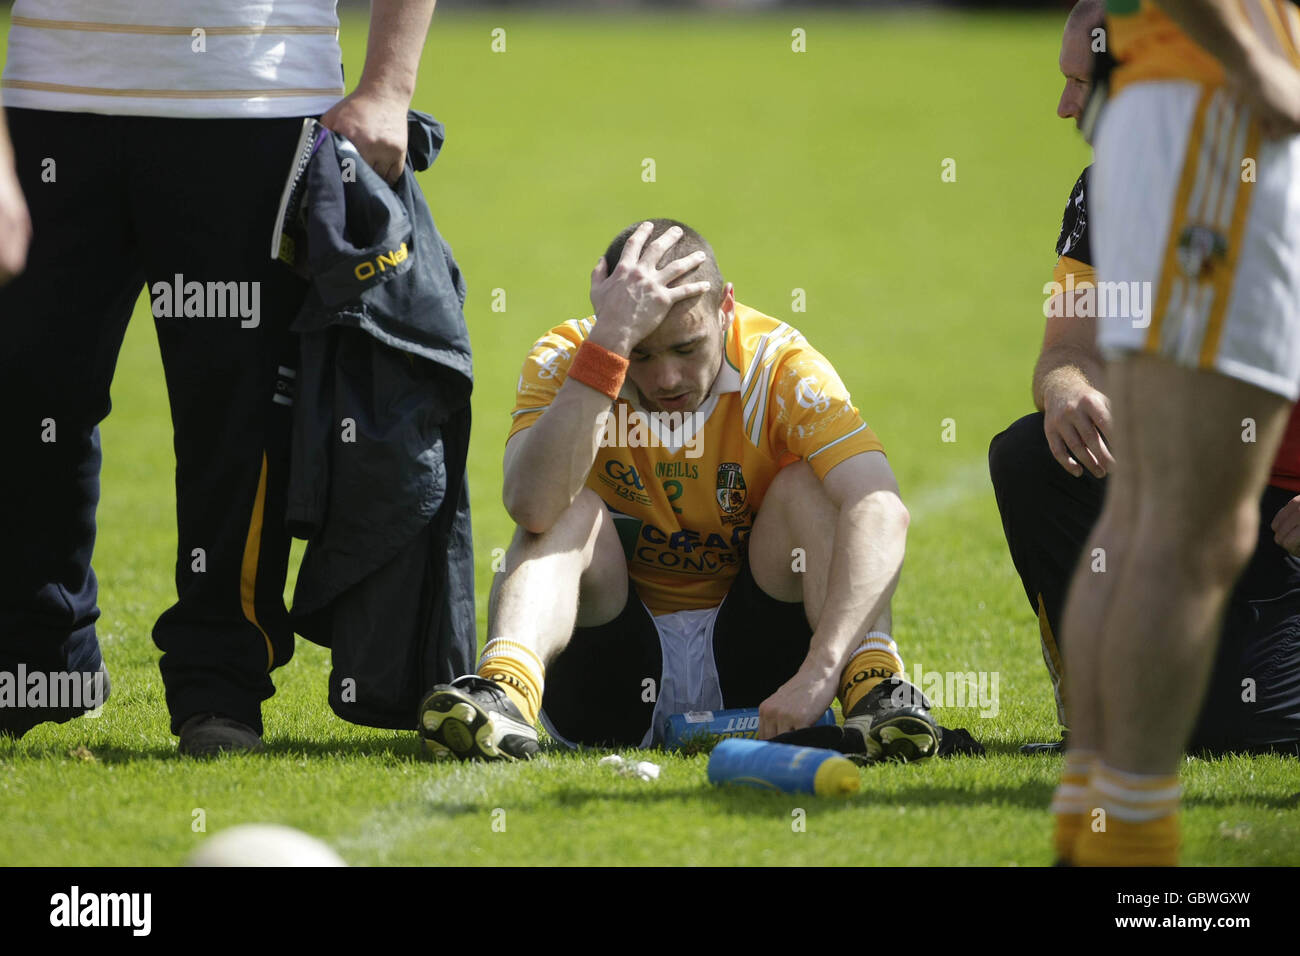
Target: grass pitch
column 818, row 171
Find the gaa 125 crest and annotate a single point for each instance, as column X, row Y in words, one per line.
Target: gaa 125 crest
column 731, row 488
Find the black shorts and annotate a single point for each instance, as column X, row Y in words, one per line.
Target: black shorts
column 1253, row 700
column 602, row 690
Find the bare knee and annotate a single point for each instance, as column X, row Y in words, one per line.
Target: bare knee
column 574, row 529
column 1208, row 552
column 797, row 491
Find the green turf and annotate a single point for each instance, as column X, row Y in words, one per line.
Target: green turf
column 818, row 171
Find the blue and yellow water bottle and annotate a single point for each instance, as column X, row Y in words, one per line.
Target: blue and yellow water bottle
column 682, row 730
column 782, row 767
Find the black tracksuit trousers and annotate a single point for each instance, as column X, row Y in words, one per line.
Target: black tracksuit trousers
column 1254, row 697
column 118, row 202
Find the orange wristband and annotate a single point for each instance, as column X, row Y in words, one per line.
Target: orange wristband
column 599, row 368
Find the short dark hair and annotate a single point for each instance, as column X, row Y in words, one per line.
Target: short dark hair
column 690, row 241
column 1087, row 15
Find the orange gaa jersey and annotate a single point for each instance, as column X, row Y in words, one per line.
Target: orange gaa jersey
column 1150, row 46
column 684, row 491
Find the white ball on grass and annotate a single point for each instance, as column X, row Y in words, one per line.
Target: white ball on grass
column 263, row 844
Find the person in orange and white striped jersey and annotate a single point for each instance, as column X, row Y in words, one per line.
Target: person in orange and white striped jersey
column 1195, row 216
column 151, row 141
column 704, row 522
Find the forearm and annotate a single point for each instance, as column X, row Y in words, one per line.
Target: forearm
column 1066, row 368
column 397, row 32
column 1219, row 27
column 6, row 147
column 556, row 456
column 15, row 222
column 867, row 557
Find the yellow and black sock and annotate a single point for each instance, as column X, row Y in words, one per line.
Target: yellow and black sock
column 875, row 660
column 1138, row 823
column 518, row 670
column 1070, row 802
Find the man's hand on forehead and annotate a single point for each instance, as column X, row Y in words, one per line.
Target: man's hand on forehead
column 633, row 300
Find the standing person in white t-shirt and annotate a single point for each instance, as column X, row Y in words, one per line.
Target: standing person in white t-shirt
column 151, row 141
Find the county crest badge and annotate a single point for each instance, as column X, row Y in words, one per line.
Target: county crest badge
column 731, row 488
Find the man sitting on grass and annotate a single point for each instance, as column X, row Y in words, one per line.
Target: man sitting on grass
column 704, row 521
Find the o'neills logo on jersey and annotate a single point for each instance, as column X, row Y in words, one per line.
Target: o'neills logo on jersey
column 629, row 427
column 731, row 487
column 381, row 263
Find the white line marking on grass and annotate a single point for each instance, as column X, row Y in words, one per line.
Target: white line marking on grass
column 965, row 482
